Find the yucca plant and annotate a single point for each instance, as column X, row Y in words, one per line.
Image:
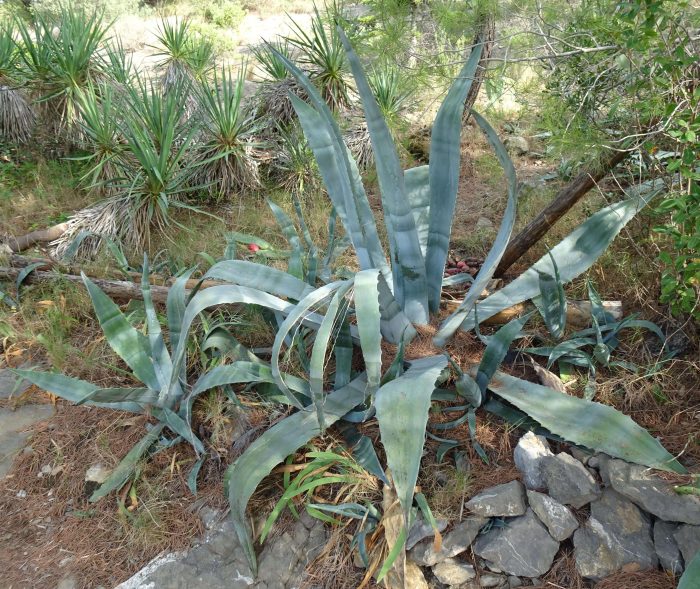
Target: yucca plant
column 226, row 141
column 184, row 56
column 389, row 90
column 16, row 114
column 272, row 99
column 117, row 64
column 385, row 301
column 322, row 54
column 61, row 59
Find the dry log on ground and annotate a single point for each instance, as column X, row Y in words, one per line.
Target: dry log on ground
column 566, row 198
column 23, row 242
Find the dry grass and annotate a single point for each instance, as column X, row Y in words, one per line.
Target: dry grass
column 652, row 579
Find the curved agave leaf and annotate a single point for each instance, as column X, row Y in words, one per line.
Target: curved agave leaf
column 402, row 412
column 407, row 264
column 586, row 423
column 293, row 318
column 452, row 323
column 445, row 151
column 219, row 338
column 320, row 348
column 162, row 363
column 175, row 306
column 552, row 302
column 368, row 324
column 74, row 390
column 127, row 342
column 265, row 278
column 296, row 265
column 575, row 254
column 270, row 449
column 395, row 326
column 111, row 396
column 179, row 426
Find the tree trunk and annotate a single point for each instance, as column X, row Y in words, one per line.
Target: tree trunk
column 486, row 34
column 566, row 198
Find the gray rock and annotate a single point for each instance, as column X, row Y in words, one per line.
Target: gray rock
column 523, row 547
column 528, row 456
column 666, row 547
column 514, row 582
column 688, row 539
column 568, row 481
column 484, row 223
column 650, row 492
column 97, row 474
column 580, row 454
column 14, row 426
column 493, row 581
column 505, row 500
column 68, row 583
column 616, row 534
column 10, row 385
column 517, row 144
column 453, row 572
column 558, row 518
column 420, row 530
column 454, row 542
column 218, row 561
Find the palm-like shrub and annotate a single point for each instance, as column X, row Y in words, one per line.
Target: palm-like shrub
column 272, row 99
column 226, row 145
column 184, row 57
column 389, row 299
column 16, row 114
column 61, row 61
column 323, row 56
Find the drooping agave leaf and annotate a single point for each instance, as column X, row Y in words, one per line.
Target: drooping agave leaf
column 221, row 339
column 368, row 324
column 586, row 423
column 73, row 389
column 402, row 412
column 343, row 357
column 575, row 254
column 296, row 265
column 445, row 151
column 417, row 185
column 244, row 372
column 245, row 474
column 291, row 322
column 552, row 302
column 452, row 323
column 320, row 348
column 130, row 345
column 691, row 577
column 312, row 255
column 265, row 278
column 140, row 395
column 23, row 274
column 394, row 325
column 179, row 426
column 407, row 264
column 126, row 467
column 363, row 451
column 496, row 350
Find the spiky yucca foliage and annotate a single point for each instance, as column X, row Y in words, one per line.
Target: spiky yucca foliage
column 118, row 65
column 389, row 91
column 295, row 168
column 226, row 152
column 16, row 114
column 272, row 99
column 61, row 59
column 184, row 56
column 105, row 145
column 322, row 54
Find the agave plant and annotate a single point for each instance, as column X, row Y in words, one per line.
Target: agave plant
column 61, row 59
column 16, row 114
column 387, row 300
column 226, row 146
column 322, row 54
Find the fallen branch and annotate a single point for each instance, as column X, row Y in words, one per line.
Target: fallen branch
column 23, row 242
column 566, row 198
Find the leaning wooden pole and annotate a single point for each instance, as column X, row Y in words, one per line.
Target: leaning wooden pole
column 566, row 198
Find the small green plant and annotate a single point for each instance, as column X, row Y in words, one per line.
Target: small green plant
column 390, row 92
column 294, row 167
column 226, row 14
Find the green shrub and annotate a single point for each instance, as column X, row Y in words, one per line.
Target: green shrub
column 225, row 14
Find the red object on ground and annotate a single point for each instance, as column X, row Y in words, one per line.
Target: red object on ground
column 253, row 247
